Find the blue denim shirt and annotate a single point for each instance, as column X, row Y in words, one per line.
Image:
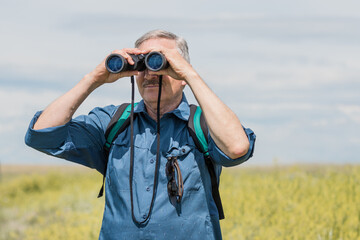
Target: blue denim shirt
column 82, row 139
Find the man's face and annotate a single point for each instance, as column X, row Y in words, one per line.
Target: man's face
column 148, row 84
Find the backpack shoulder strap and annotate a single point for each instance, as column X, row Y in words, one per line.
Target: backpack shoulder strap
column 118, row 123
column 199, row 132
column 198, row 128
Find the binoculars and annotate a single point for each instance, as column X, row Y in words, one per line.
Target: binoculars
column 154, row 61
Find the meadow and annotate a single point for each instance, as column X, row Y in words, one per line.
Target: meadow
column 277, row 202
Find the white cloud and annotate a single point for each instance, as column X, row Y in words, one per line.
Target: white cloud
column 351, row 111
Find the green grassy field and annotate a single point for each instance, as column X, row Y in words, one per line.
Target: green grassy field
column 292, row 202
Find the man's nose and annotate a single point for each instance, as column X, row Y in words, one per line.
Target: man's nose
column 149, row 76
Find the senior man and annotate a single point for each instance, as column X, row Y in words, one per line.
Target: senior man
column 137, row 200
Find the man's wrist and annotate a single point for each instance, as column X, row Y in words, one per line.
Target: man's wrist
column 191, row 77
column 90, row 82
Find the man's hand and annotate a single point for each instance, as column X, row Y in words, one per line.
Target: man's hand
column 178, row 69
column 100, row 74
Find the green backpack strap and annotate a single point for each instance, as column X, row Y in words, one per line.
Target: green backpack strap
column 199, row 132
column 199, row 125
column 118, row 123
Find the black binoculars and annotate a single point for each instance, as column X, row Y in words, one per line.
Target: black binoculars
column 154, row 61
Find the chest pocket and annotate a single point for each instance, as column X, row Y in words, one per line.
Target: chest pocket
column 119, row 162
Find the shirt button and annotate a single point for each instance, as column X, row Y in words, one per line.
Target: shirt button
column 152, row 160
column 148, row 189
column 144, row 216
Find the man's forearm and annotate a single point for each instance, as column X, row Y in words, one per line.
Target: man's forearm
column 62, row 109
column 224, row 126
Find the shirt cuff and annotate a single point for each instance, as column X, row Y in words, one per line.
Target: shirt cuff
column 51, row 137
column 221, row 158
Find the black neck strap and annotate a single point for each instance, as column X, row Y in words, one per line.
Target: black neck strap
column 132, row 152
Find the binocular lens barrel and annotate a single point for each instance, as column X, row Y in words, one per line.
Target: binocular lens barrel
column 115, row 63
column 154, row 61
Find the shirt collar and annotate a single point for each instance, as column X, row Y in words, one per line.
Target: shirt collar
column 182, row 111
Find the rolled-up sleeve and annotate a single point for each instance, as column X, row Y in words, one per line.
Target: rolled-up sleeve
column 220, row 158
column 81, row 140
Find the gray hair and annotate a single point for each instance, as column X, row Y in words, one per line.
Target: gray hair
column 181, row 43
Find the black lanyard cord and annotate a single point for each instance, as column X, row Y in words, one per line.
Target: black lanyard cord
column 132, row 151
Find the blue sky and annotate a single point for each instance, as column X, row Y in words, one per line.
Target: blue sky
column 289, row 70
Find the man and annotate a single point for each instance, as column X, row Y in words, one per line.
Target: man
column 128, row 213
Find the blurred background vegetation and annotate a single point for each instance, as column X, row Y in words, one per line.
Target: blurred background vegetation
column 277, row 202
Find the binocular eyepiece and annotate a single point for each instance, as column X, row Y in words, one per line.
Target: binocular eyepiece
column 154, row 61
